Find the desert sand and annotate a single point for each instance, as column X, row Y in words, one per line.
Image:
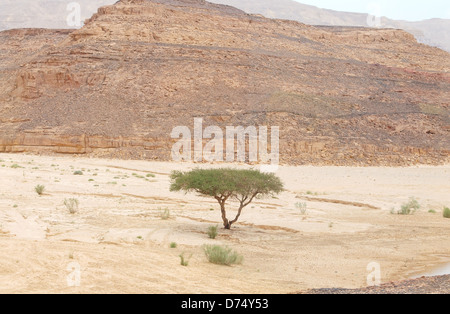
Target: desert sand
column 121, row 243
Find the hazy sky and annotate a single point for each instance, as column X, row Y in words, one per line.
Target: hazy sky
column 412, row 10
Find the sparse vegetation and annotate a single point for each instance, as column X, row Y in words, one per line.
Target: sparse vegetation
column 408, row 208
column 72, row 205
column 165, row 214
column 446, row 212
column 221, row 255
column 224, row 184
column 183, row 260
column 16, row 166
column 212, row 232
column 432, row 211
column 173, row 245
column 78, row 173
column 302, row 207
column 39, row 189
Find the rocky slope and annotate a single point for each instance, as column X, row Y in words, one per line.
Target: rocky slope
column 54, row 14
column 117, row 86
column 433, row 32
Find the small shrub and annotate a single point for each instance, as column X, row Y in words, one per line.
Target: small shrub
column 72, row 205
column 432, row 211
column 15, row 166
column 212, row 232
column 409, row 208
column 183, row 260
column 173, row 245
column 39, row 189
column 302, row 207
column 165, row 214
column 150, row 175
column 222, row 255
column 446, row 212
column 78, row 173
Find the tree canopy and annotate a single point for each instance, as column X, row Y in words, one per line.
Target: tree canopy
column 225, row 183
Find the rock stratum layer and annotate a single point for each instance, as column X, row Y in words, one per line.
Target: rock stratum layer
column 119, row 85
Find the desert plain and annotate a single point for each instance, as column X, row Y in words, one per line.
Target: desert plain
column 120, row 239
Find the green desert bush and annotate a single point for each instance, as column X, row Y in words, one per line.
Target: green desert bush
column 39, row 189
column 409, row 208
column 173, row 245
column 183, row 260
column 221, row 255
column 212, row 232
column 72, row 205
column 446, row 212
column 302, row 207
column 165, row 214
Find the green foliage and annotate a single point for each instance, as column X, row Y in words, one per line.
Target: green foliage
column 409, row 208
column 78, row 173
column 212, row 232
column 222, row 255
column 165, row 214
column 183, row 260
column 302, row 207
column 225, row 183
column 39, row 189
column 446, row 212
column 72, row 205
column 173, row 245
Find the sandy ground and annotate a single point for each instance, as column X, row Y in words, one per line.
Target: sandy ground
column 119, row 243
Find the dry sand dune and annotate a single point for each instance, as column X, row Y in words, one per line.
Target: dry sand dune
column 121, row 243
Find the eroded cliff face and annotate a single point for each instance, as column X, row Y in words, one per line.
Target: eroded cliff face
column 118, row 86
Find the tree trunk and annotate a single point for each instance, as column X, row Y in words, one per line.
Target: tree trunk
column 237, row 216
column 226, row 223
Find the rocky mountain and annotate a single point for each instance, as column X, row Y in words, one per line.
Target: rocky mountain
column 53, row 14
column 138, row 68
column 434, row 32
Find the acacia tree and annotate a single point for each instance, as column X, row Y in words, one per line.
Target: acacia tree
column 225, row 184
